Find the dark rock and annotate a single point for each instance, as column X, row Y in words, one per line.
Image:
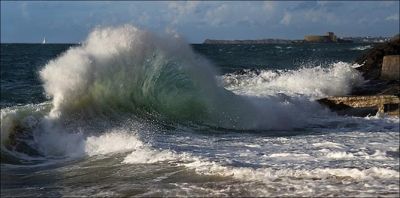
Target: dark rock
column 377, row 87
column 372, row 61
column 372, row 67
column 378, row 94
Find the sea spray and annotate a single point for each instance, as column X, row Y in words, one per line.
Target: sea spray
column 106, row 143
column 122, row 73
column 312, row 82
column 125, row 69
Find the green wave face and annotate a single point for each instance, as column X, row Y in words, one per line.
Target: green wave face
column 129, row 70
column 125, row 69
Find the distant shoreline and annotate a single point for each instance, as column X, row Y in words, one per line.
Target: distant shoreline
column 366, row 40
column 361, row 40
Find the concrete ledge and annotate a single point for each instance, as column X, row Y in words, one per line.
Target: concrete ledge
column 363, row 105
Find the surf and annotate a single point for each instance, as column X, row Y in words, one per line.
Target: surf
column 125, row 69
column 134, row 80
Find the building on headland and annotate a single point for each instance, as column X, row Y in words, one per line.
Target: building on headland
column 330, row 37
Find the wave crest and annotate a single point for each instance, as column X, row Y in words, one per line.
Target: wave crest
column 125, row 69
column 128, row 69
column 313, row 82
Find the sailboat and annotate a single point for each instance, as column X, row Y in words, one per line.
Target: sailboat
column 44, row 40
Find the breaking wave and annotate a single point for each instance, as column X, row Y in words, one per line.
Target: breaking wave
column 124, row 73
column 129, row 70
column 312, row 82
column 362, row 47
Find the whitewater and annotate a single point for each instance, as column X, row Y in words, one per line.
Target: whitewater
column 132, row 113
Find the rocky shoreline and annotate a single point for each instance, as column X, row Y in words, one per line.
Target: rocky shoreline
column 380, row 67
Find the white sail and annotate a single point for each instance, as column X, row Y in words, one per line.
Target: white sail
column 44, row 40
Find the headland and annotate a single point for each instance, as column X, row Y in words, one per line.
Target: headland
column 330, row 37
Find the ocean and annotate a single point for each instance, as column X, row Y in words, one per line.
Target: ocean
column 131, row 113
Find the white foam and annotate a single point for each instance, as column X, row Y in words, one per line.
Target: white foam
column 127, row 69
column 339, row 155
column 53, row 140
column 291, row 156
column 207, row 167
column 268, row 174
column 377, row 155
column 121, row 66
column 26, row 117
column 122, row 141
column 315, row 82
column 328, row 145
column 112, row 142
column 362, row 47
column 147, row 155
column 67, row 143
column 253, row 145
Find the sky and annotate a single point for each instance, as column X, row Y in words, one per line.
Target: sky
column 71, row 21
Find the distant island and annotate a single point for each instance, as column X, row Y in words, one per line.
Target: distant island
column 330, row 37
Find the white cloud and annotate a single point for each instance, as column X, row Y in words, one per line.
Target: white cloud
column 394, row 17
column 286, row 19
column 269, row 6
column 173, row 32
column 180, row 10
column 183, row 7
column 24, row 10
column 320, row 15
column 218, row 16
column 199, row 19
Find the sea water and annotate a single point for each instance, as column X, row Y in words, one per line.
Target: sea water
column 132, row 113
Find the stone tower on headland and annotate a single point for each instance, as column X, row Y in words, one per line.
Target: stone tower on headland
column 330, row 37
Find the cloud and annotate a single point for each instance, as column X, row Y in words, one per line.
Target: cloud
column 173, row 32
column 320, row 15
column 218, row 16
column 196, row 20
column 233, row 14
column 179, row 10
column 269, row 6
column 24, row 10
column 394, row 17
column 286, row 19
column 183, row 7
